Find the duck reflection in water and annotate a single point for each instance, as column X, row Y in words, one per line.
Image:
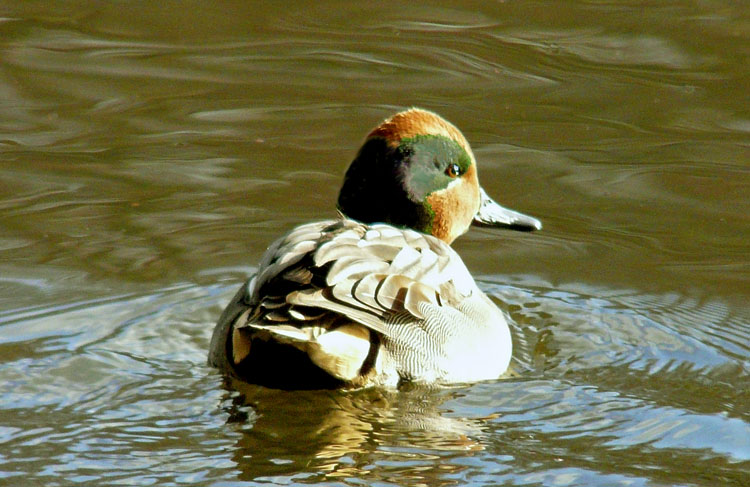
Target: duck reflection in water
column 333, row 434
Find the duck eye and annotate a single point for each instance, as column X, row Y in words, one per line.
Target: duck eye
column 453, row 170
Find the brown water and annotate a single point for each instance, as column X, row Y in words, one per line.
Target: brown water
column 149, row 151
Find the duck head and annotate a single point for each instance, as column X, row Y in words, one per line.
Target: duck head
column 417, row 170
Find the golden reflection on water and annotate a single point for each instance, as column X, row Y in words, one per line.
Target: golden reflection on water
column 345, row 430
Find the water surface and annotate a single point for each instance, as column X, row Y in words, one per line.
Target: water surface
column 149, row 154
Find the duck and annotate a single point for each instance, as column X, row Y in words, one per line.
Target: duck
column 377, row 296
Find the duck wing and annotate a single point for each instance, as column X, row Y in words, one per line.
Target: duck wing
column 333, row 289
column 365, row 272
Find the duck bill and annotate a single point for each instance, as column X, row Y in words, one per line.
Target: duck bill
column 491, row 214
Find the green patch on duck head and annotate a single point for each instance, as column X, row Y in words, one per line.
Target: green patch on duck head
column 391, row 184
column 427, row 164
